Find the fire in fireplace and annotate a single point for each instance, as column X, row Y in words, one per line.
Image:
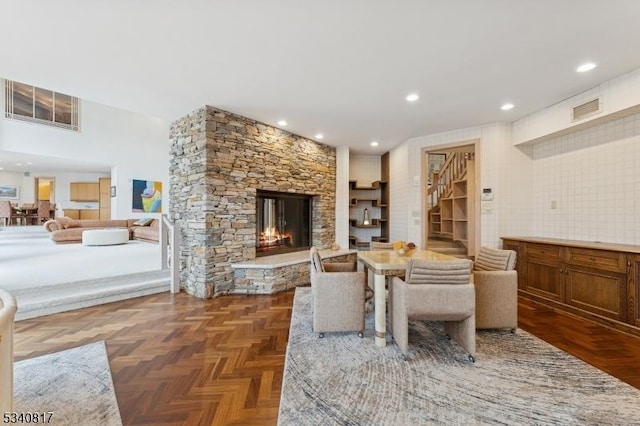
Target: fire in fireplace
column 283, row 222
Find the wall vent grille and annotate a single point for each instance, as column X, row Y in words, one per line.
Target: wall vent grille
column 586, row 109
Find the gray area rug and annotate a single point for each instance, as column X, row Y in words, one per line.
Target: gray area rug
column 517, row 380
column 75, row 385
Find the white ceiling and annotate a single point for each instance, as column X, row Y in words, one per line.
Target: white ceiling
column 342, row 68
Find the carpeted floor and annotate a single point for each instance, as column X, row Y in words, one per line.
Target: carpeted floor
column 28, row 258
column 75, row 386
column 517, row 380
column 47, row 278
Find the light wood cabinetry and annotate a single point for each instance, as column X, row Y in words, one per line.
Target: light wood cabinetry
column 597, row 281
column 105, row 198
column 84, row 191
column 82, row 214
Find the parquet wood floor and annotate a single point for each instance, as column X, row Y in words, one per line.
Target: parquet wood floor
column 178, row 360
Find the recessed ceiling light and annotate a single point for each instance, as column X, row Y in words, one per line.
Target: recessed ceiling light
column 29, row 162
column 18, row 164
column 412, row 97
column 374, row 143
column 506, row 107
column 319, row 136
column 282, row 123
column 1, row 168
column 586, row 67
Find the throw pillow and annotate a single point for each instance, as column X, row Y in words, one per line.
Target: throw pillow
column 67, row 222
column 146, row 221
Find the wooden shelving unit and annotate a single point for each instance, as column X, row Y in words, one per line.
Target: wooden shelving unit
column 374, row 198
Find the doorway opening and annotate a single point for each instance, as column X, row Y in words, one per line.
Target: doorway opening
column 450, row 199
column 45, row 189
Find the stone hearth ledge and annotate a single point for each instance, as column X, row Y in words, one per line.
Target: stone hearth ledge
column 280, row 272
column 287, row 259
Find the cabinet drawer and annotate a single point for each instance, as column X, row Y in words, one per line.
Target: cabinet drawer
column 597, row 259
column 547, row 254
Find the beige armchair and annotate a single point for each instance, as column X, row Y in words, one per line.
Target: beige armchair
column 338, row 296
column 496, row 284
column 8, row 310
column 435, row 290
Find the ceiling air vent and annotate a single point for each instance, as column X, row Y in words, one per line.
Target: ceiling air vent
column 586, row 109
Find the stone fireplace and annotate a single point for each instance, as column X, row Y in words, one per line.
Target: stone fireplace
column 219, row 164
column 283, row 222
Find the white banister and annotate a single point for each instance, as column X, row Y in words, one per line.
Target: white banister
column 169, row 247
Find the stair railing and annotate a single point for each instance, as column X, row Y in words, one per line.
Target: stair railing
column 170, row 249
column 454, row 169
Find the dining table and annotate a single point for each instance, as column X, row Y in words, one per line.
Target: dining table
column 384, row 263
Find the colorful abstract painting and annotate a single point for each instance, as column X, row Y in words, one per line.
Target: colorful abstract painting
column 146, row 196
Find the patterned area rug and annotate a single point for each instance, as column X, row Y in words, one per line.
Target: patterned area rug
column 75, row 385
column 517, row 379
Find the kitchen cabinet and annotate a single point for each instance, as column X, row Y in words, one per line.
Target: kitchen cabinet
column 84, row 191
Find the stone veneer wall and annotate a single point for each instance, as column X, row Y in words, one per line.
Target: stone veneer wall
column 217, row 162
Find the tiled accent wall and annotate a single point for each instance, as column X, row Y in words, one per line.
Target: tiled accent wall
column 217, row 162
column 594, row 178
column 503, row 167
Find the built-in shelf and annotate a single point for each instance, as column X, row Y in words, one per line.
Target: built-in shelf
column 374, row 198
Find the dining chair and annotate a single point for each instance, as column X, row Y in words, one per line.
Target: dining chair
column 5, row 212
column 496, row 282
column 44, row 211
column 338, row 296
column 437, row 290
column 16, row 214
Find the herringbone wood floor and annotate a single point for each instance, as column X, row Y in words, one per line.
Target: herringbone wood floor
column 179, row 360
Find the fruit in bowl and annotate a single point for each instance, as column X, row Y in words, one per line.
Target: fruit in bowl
column 404, row 249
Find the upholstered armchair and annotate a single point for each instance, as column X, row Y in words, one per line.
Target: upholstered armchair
column 496, row 284
column 338, row 296
column 8, row 308
column 435, row 290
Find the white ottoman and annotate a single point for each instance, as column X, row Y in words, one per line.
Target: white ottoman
column 105, row 237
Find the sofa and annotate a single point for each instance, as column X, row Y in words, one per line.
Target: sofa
column 66, row 230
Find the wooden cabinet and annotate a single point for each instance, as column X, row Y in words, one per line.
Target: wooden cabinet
column 105, row 198
column 593, row 280
column 84, row 191
column 633, row 289
column 82, row 214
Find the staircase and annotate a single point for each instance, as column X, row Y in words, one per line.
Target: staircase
column 450, row 206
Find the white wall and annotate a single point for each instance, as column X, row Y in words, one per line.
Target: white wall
column 61, row 190
column 135, row 146
column 594, row 177
column 616, row 96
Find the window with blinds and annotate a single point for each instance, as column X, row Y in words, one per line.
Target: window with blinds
column 34, row 104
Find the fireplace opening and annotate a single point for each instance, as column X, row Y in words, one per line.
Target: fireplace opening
column 283, row 222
